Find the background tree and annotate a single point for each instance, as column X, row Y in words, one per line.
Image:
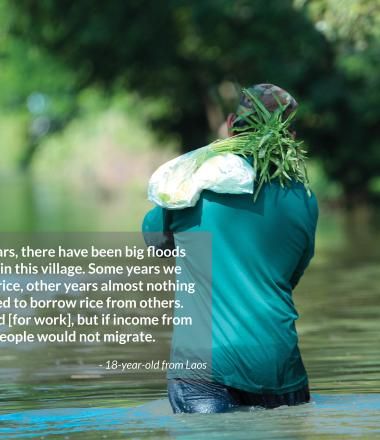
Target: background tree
column 37, row 91
column 189, row 54
column 182, row 51
column 348, row 125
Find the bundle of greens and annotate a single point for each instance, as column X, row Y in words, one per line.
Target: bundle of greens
column 261, row 134
column 266, row 137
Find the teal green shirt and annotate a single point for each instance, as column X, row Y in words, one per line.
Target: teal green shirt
column 259, row 252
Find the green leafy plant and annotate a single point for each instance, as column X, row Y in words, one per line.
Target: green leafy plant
column 267, row 138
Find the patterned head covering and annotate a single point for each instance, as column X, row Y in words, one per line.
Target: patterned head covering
column 266, row 92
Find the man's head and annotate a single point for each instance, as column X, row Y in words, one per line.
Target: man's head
column 269, row 95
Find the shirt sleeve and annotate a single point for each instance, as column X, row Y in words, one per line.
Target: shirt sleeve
column 156, row 229
column 308, row 253
column 302, row 265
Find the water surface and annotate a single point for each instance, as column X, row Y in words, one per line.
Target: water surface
column 52, row 391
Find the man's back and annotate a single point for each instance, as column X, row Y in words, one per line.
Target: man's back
column 259, row 251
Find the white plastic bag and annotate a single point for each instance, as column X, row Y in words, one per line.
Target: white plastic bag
column 178, row 183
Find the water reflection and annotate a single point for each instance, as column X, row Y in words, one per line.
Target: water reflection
column 327, row 416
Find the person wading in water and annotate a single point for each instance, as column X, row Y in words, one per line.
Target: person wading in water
column 260, row 250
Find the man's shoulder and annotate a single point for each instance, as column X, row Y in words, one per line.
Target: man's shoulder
column 293, row 199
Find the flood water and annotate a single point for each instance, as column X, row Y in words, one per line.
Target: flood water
column 51, row 391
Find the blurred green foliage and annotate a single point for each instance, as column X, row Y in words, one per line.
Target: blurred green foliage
column 180, row 50
column 350, row 100
column 188, row 56
column 38, row 95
